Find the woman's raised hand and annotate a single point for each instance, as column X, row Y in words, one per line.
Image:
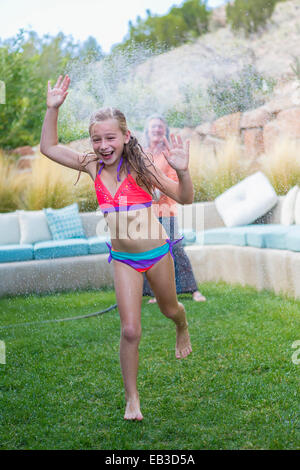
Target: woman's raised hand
column 57, row 95
column 176, row 154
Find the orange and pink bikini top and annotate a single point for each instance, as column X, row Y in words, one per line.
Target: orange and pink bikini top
column 129, row 196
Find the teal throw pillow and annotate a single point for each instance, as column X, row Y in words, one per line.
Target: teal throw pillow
column 65, row 223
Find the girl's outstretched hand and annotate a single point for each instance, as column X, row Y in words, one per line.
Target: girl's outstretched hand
column 57, row 95
column 176, row 154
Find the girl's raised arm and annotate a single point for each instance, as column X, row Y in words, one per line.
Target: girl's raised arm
column 177, row 157
column 49, row 145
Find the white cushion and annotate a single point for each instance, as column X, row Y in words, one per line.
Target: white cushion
column 33, row 227
column 9, row 229
column 287, row 216
column 248, row 200
column 297, row 209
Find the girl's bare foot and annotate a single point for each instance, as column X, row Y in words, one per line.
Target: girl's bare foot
column 183, row 342
column 152, row 300
column 132, row 410
column 198, row 297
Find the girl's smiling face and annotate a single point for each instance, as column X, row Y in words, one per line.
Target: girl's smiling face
column 108, row 140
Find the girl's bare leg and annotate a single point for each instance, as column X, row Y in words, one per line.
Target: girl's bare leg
column 161, row 278
column 129, row 290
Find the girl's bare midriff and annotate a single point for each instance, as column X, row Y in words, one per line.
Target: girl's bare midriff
column 136, row 230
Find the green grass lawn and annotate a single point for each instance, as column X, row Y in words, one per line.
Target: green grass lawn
column 61, row 386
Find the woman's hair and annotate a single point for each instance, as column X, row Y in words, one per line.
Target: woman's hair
column 147, row 124
column 132, row 153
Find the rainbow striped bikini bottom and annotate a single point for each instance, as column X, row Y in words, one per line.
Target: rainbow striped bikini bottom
column 146, row 259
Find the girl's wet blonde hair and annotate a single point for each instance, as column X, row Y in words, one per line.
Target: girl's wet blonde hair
column 132, row 153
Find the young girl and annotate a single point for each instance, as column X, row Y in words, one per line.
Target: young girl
column 124, row 179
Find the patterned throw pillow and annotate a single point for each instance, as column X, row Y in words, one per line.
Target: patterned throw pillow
column 65, row 223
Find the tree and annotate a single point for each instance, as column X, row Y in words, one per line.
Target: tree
column 90, row 50
column 26, row 63
column 249, row 15
column 19, row 110
column 159, row 33
column 195, row 15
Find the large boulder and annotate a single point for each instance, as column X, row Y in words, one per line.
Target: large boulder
column 22, row 151
column 256, row 118
column 25, row 163
column 227, row 126
column 289, row 120
column 280, row 103
column 287, row 124
column 204, row 129
column 253, row 140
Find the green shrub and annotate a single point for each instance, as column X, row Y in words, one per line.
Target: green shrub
column 27, row 63
column 179, row 25
column 250, row 16
column 244, row 91
column 191, row 108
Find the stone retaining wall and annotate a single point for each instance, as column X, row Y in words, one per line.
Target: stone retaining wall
column 257, row 129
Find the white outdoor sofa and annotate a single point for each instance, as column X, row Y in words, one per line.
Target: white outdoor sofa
column 215, row 254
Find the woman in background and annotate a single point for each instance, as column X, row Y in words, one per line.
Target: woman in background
column 156, row 129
